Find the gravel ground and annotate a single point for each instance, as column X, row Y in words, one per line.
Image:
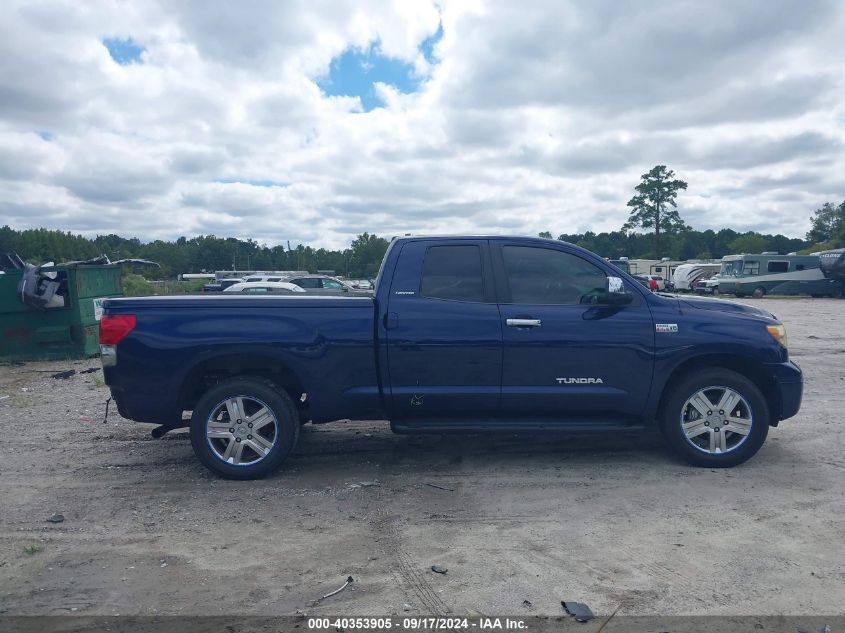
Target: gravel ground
column 611, row 520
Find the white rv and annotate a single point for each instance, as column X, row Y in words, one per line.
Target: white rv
column 687, row 274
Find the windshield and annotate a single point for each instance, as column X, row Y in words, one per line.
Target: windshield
column 731, row 268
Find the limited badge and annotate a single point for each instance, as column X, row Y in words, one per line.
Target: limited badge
column 665, row 327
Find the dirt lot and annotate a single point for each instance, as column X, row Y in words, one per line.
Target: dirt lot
column 606, row 520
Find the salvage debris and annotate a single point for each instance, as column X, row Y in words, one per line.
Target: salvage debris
column 90, row 370
column 348, row 582
column 64, row 374
column 437, row 569
column 56, row 518
column 578, row 610
column 440, row 487
column 363, row 484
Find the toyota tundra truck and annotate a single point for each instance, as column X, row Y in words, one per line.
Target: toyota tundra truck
column 461, row 335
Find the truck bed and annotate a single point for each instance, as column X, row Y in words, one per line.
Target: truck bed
column 235, row 335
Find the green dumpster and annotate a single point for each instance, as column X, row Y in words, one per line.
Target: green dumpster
column 69, row 331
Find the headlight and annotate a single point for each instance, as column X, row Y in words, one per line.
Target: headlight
column 778, row 333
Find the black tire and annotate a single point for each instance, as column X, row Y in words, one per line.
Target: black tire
column 759, row 292
column 275, row 399
column 687, row 386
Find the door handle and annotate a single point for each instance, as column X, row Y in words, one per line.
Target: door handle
column 523, row 322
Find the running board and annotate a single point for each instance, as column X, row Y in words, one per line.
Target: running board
column 517, row 425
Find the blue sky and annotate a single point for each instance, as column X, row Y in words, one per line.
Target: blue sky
column 355, row 72
column 208, row 118
column 123, row 51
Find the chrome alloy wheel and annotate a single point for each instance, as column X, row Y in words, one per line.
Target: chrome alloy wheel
column 241, row 430
column 716, row 420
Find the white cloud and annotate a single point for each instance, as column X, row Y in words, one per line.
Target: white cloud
column 529, row 119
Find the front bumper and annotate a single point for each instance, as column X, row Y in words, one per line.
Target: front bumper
column 790, row 383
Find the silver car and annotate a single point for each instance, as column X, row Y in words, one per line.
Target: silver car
column 322, row 285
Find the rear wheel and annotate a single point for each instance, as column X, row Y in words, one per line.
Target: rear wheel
column 716, row 418
column 759, row 292
column 244, row 428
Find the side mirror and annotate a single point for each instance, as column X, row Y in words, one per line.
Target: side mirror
column 615, row 294
column 615, row 286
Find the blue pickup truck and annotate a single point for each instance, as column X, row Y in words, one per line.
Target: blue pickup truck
column 463, row 334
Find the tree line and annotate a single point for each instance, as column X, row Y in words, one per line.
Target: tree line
column 204, row 253
column 653, row 210
column 207, row 253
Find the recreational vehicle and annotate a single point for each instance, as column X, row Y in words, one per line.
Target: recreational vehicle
column 833, row 264
column 759, row 275
column 641, row 266
column 665, row 268
column 687, row 274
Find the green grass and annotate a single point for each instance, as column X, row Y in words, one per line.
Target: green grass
column 31, row 550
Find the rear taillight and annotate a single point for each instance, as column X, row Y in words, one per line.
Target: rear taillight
column 114, row 328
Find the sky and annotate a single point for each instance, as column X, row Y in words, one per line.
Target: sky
column 313, row 121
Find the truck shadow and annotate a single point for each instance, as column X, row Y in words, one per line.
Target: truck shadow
column 370, row 449
column 361, row 443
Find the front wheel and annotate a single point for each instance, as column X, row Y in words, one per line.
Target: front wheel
column 244, row 428
column 759, row 292
column 715, row 418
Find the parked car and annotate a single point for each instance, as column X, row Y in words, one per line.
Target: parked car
column 322, row 285
column 265, row 287
column 643, row 280
column 707, row 286
column 360, row 284
column 464, row 334
column 659, row 282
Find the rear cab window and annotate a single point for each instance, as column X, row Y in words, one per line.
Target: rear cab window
column 453, row 273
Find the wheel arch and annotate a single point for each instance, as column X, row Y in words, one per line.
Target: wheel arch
column 208, row 372
column 751, row 368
